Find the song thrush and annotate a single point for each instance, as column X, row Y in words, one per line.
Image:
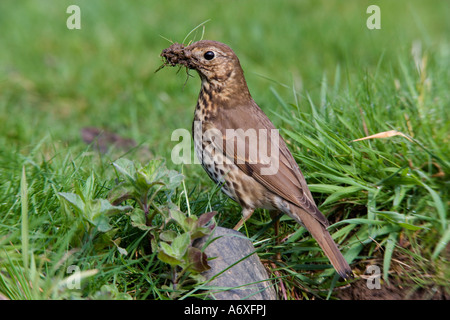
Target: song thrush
column 240, row 148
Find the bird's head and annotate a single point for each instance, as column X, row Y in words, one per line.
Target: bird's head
column 215, row 62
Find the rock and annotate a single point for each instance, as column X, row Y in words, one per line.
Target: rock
column 247, row 279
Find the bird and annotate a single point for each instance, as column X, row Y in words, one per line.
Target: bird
column 240, row 148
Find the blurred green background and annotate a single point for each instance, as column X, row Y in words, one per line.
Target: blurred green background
column 55, row 81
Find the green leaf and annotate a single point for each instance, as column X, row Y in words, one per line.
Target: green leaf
column 164, row 257
column 138, row 220
column 108, row 209
column 155, row 172
column 174, row 179
column 190, row 223
column 121, row 192
column 199, row 232
column 74, row 199
column 168, row 236
column 102, row 223
column 144, row 182
column 89, row 187
column 167, row 255
column 178, row 216
column 121, row 250
column 100, row 209
column 94, row 211
column 180, row 245
column 166, row 248
column 127, row 168
column 151, row 173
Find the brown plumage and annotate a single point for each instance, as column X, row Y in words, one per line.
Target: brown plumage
column 240, row 148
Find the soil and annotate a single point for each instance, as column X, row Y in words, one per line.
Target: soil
column 393, row 291
column 429, row 286
column 103, row 140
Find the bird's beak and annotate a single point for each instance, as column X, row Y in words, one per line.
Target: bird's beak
column 178, row 54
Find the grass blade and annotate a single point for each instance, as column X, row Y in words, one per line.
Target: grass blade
column 389, row 249
column 441, row 244
column 439, row 205
column 24, row 227
column 200, row 25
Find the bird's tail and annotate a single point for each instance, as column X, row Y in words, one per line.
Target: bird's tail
column 323, row 237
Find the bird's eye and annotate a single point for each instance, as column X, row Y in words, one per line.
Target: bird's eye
column 209, row 55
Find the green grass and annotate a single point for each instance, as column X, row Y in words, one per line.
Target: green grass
column 314, row 68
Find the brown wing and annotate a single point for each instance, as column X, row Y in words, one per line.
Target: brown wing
column 288, row 181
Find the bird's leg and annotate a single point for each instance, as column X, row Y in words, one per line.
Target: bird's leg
column 275, row 216
column 246, row 214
